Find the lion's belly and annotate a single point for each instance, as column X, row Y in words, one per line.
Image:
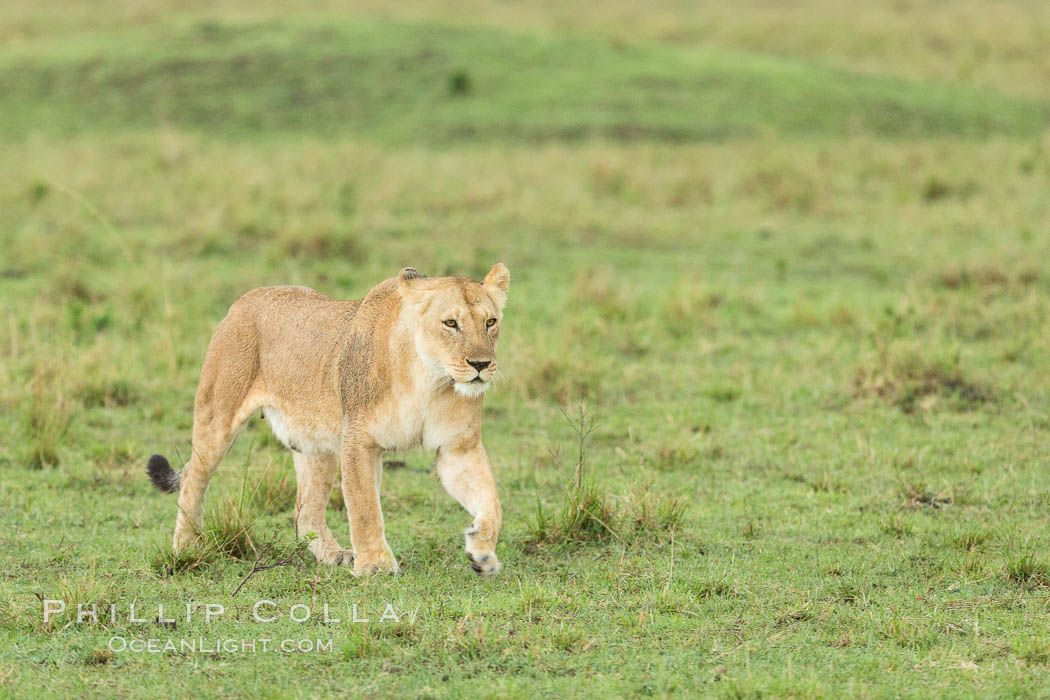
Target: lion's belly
column 302, row 435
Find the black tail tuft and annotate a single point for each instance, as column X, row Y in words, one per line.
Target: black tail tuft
column 162, row 475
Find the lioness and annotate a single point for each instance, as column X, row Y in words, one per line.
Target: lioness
column 341, row 381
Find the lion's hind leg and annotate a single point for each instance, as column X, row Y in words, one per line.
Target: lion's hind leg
column 212, row 439
column 229, row 393
column 317, row 475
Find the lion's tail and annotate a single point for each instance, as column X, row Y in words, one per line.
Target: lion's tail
column 162, row 475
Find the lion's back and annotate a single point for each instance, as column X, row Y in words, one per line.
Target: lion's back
column 291, row 331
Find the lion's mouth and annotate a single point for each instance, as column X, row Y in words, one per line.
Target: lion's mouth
column 472, row 388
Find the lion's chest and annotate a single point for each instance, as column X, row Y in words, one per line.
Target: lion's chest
column 413, row 422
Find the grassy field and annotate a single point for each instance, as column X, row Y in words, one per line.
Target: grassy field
column 793, row 260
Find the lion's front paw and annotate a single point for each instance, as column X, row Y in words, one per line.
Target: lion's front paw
column 480, row 552
column 484, row 564
column 375, row 561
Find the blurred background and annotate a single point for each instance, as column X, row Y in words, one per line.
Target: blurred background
column 793, row 255
column 711, row 213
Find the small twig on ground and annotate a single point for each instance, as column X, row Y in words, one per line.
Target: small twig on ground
column 277, row 557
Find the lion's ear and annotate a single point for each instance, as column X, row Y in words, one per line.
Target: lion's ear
column 406, row 282
column 496, row 283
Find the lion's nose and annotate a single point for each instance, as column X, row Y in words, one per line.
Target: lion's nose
column 479, row 364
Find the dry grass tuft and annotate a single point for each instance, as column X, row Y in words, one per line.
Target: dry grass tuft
column 87, row 597
column 46, row 417
column 603, row 290
column 935, row 188
column 987, row 277
column 228, row 528
column 916, row 494
column 117, row 393
column 99, row 656
column 910, row 381
column 165, row 562
column 558, row 379
column 689, row 307
column 313, row 245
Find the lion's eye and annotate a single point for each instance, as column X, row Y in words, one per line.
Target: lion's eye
column 490, row 323
column 451, row 323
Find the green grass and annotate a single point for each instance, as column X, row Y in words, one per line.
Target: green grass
column 804, row 291
column 409, row 82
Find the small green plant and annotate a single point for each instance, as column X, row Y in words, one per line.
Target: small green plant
column 459, row 83
column 724, row 393
column 908, row 631
column 1033, row 650
column 710, row 589
column 1028, row 571
column 589, row 514
column 751, row 529
column 971, row 540
column 89, row 591
column 654, row 516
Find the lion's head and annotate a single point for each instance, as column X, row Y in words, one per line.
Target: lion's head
column 457, row 323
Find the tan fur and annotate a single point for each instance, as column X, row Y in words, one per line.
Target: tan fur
column 342, row 381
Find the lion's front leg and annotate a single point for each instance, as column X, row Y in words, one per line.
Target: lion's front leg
column 467, row 476
column 361, row 467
